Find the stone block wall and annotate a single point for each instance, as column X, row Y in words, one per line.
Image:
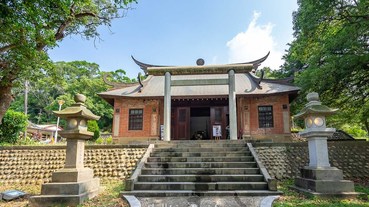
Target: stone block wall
column 284, row 160
column 31, row 165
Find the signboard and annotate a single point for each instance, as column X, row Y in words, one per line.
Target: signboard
column 217, row 130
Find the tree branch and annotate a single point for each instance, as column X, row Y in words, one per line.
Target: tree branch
column 8, row 47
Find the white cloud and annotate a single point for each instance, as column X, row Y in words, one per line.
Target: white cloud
column 254, row 43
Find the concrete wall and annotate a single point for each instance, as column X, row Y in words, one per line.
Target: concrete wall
column 284, row 160
column 30, row 165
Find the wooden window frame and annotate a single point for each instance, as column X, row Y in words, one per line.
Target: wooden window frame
column 135, row 119
column 265, row 116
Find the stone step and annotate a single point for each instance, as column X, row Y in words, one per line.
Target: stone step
column 172, row 193
column 202, row 186
column 200, row 178
column 199, row 171
column 199, row 154
column 201, row 165
column 201, row 159
column 208, row 145
column 203, row 149
column 194, row 142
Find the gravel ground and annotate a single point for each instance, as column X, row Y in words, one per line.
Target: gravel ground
column 195, row 201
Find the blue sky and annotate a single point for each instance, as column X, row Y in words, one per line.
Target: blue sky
column 168, row 32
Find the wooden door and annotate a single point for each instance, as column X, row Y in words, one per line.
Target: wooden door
column 183, row 123
column 218, row 117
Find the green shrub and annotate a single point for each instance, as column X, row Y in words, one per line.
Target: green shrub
column 13, row 124
column 296, row 130
column 27, row 141
column 92, row 126
column 108, row 140
column 354, row 130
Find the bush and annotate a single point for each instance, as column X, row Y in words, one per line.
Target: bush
column 108, row 140
column 92, row 126
column 28, row 141
column 13, row 124
column 354, row 130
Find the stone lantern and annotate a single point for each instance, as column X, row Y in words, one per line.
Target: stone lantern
column 319, row 178
column 315, row 130
column 74, row 183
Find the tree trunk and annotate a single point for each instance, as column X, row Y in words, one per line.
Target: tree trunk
column 6, row 99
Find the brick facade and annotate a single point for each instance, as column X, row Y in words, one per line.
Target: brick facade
column 247, row 114
column 151, row 119
column 248, row 117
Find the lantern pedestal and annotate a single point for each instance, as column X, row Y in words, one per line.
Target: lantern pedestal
column 324, row 182
column 71, row 185
column 318, row 148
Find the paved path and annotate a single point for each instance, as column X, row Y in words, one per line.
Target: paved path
column 195, row 201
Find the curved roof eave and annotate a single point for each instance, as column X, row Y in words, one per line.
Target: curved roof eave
column 144, row 66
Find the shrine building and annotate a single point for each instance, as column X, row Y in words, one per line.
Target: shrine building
column 201, row 102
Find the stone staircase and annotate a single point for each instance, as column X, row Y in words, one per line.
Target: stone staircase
column 204, row 168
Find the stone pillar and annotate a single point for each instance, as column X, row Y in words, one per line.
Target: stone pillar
column 318, row 152
column 232, row 106
column 167, row 106
column 75, row 153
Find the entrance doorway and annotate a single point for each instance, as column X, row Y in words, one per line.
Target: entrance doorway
column 196, row 119
column 200, row 123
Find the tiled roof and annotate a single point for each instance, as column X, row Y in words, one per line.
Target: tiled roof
column 245, row 85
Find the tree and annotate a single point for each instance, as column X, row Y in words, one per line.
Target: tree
column 29, row 28
column 330, row 54
column 74, row 77
column 13, row 124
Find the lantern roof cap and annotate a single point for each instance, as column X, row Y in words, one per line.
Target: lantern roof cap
column 77, row 109
column 314, row 107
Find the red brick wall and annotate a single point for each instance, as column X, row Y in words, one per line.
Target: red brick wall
column 249, row 106
column 149, row 106
column 245, row 106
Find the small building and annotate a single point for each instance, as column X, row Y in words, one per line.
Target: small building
column 42, row 132
column 201, row 102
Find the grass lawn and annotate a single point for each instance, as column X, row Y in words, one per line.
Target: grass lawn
column 108, row 196
column 292, row 198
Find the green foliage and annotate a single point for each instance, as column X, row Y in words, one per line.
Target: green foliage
column 354, row 130
column 28, row 141
column 330, row 56
column 296, row 130
column 30, row 28
column 75, row 77
column 12, row 125
column 93, row 127
column 108, row 140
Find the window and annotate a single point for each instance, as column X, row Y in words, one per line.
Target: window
column 135, row 119
column 265, row 116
